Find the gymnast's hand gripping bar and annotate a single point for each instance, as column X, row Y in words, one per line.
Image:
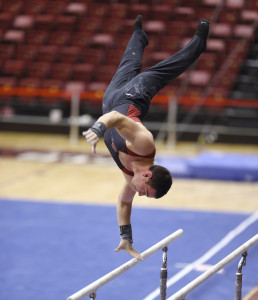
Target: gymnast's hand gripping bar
column 93, row 287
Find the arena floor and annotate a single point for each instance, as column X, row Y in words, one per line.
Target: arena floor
column 41, row 173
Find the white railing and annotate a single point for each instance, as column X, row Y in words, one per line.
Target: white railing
column 181, row 294
column 93, row 287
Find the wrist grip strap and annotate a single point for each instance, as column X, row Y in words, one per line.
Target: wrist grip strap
column 99, row 128
column 126, row 233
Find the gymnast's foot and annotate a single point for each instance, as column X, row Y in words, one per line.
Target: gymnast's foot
column 138, row 23
column 203, row 29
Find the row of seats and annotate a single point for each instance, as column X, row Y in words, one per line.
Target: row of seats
column 103, row 7
column 83, row 41
column 27, row 54
column 114, row 23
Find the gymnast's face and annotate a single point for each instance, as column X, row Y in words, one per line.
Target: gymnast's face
column 139, row 185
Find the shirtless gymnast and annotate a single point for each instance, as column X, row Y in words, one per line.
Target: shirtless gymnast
column 125, row 103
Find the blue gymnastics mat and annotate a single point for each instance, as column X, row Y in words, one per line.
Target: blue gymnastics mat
column 51, row 250
column 213, row 166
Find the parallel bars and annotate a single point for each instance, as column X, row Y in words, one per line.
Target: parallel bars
column 181, row 294
column 93, row 287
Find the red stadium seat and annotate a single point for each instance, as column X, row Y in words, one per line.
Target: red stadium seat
column 59, row 38
column 77, row 9
column 39, row 70
column 44, row 22
column 119, row 11
column 83, row 72
column 97, row 86
column 48, row 53
column 161, row 12
column 26, row 52
column 62, row 71
column 14, row 7
column 102, row 41
column 204, row 12
column 94, row 56
column 139, row 9
column 252, row 4
column 90, row 25
column 185, row 14
column 199, row 78
column 7, row 51
column 177, row 28
column 70, row 54
column 216, row 45
column 212, row 3
column 81, row 39
column 14, row 68
column 248, row 16
column 23, row 22
column 208, row 62
column 14, row 36
column 99, row 10
column 56, row 7
column 172, row 3
column 155, row 27
column 112, row 26
column 221, row 30
column 229, row 16
column 243, row 31
column 235, row 4
column 5, row 20
column 75, row 86
column 37, row 37
column 65, row 23
column 34, row 7
column 52, row 84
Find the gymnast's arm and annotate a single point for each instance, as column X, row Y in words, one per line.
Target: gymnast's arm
column 139, row 137
column 124, row 208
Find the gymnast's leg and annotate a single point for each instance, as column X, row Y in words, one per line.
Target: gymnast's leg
column 129, row 67
column 131, row 62
column 158, row 76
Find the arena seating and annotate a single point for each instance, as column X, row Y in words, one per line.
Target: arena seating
column 65, row 41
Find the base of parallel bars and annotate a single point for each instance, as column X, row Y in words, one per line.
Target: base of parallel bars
column 163, row 275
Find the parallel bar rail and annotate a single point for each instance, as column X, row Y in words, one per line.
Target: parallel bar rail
column 181, row 294
column 93, row 287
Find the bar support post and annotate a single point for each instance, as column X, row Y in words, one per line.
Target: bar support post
column 238, row 281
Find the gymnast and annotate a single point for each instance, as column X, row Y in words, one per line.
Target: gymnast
column 125, row 103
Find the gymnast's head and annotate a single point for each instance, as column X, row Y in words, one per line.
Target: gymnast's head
column 154, row 182
column 161, row 180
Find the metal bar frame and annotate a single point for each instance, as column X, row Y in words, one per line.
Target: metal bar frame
column 93, row 287
column 181, row 294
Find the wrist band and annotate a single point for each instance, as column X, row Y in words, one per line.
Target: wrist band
column 99, row 128
column 126, row 233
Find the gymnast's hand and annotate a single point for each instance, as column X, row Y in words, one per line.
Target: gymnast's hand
column 127, row 246
column 91, row 138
